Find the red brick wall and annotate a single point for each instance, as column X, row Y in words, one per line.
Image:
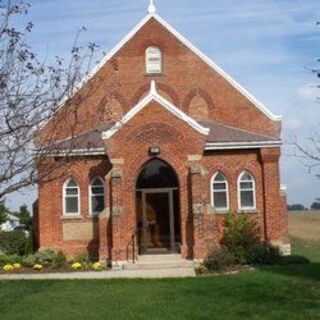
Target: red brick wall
column 120, row 84
column 50, row 206
column 185, row 76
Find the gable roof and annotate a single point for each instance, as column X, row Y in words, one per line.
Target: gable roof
column 188, row 44
column 221, row 137
column 155, row 96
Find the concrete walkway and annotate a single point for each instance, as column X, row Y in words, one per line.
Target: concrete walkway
column 122, row 274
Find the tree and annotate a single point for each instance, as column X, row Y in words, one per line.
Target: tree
column 309, row 150
column 31, row 92
column 3, row 212
column 25, row 216
column 296, row 207
column 315, row 206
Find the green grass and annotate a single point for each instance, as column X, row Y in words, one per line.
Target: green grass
column 284, row 292
column 309, row 249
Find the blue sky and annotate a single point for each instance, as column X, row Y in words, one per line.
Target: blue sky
column 268, row 46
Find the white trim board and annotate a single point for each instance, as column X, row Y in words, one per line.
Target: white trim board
column 154, row 96
column 187, row 43
column 242, row 145
column 73, row 152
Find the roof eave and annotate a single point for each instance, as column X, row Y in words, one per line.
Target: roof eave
column 210, row 146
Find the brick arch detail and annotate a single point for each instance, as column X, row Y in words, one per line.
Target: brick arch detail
column 137, row 164
column 154, row 41
column 116, row 96
column 146, row 88
column 154, row 130
column 195, row 92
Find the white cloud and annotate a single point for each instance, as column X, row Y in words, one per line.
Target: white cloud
column 308, row 93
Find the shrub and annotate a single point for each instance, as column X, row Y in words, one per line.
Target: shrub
column 38, row 267
column 83, row 258
column 219, row 259
column 47, row 257
column 201, row 269
column 264, row 254
column 294, row 260
column 240, row 236
column 76, row 266
column 8, row 268
column 13, row 242
column 17, row 266
column 97, row 266
column 29, row 246
column 9, row 259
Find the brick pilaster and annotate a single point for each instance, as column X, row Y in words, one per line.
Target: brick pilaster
column 273, row 203
column 116, row 186
column 197, row 211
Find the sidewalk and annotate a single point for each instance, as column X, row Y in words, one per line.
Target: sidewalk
column 122, row 274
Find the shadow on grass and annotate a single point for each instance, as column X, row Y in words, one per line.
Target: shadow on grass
column 309, row 271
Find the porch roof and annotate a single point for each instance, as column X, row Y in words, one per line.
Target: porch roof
column 220, row 137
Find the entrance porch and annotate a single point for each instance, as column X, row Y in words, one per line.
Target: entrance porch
column 157, row 221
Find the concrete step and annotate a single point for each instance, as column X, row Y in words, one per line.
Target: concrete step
column 155, row 258
column 154, row 262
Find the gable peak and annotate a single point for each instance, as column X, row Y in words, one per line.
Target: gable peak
column 152, row 7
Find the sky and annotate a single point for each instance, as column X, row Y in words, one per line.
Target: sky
column 268, row 46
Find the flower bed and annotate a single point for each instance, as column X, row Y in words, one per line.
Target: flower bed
column 47, row 261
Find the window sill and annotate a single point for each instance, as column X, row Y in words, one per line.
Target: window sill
column 71, row 217
column 213, row 210
column 152, row 75
column 248, row 211
column 221, row 212
column 93, row 216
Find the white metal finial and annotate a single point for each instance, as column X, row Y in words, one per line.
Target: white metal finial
column 152, row 7
column 153, row 87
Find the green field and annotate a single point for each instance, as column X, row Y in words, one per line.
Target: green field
column 283, row 292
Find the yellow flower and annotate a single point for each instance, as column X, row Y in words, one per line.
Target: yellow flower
column 97, row 266
column 76, row 266
column 17, row 266
column 8, row 268
column 38, row 267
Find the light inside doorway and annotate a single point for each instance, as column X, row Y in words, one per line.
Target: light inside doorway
column 158, row 210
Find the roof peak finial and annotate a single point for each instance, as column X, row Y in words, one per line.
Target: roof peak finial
column 152, row 7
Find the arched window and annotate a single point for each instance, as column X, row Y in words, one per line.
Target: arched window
column 153, row 60
column 219, row 192
column 96, row 194
column 71, row 197
column 246, row 191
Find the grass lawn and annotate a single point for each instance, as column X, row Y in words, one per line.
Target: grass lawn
column 283, row 292
column 271, row 293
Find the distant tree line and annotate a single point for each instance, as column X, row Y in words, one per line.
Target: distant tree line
column 301, row 207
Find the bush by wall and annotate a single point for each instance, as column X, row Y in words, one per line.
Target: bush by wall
column 240, row 236
column 49, row 258
column 13, row 242
column 219, row 259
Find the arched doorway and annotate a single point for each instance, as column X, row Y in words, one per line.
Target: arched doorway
column 158, row 209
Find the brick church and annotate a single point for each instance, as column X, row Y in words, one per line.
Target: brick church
column 155, row 148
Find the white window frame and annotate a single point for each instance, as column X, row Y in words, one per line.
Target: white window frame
column 65, row 196
column 212, row 191
column 253, row 189
column 90, row 195
column 152, row 71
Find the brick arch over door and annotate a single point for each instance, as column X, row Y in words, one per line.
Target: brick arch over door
column 166, row 91
column 199, row 103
